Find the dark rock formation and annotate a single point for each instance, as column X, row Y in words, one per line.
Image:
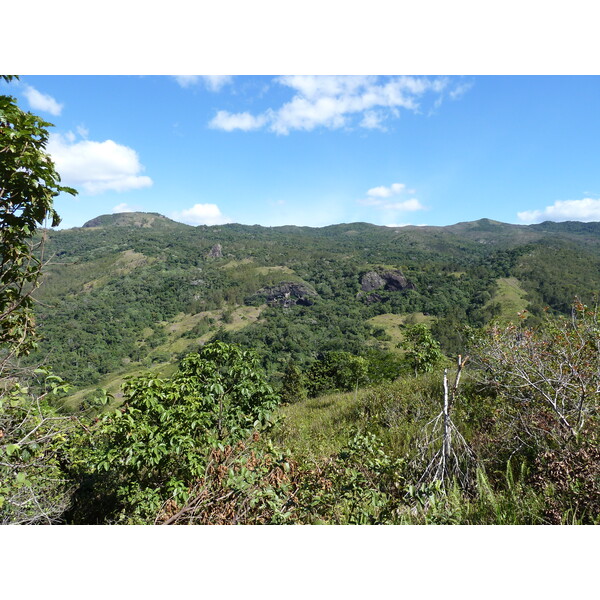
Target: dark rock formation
column 391, row 281
column 371, row 281
column 396, row 282
column 371, row 298
column 286, row 294
column 216, row 251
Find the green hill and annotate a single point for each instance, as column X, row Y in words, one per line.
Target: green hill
column 124, row 293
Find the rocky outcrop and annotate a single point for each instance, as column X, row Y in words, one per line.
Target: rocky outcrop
column 371, row 281
column 370, row 298
column 396, row 282
column 286, row 294
column 391, row 281
column 216, row 251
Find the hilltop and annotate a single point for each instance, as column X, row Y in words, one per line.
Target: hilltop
column 132, row 219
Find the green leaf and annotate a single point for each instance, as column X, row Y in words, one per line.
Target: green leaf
column 11, row 449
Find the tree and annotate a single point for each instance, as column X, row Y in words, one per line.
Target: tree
column 293, row 384
column 423, row 352
column 28, row 184
column 337, row 371
column 551, row 373
column 33, row 486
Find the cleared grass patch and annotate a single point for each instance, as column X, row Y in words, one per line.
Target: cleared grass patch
column 511, row 297
column 396, row 412
column 392, row 323
column 318, row 427
column 232, row 264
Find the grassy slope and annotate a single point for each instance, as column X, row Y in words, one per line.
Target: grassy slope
column 511, row 297
column 320, row 427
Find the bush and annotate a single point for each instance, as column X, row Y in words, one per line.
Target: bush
column 160, row 440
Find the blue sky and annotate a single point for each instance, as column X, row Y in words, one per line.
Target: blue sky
column 318, row 150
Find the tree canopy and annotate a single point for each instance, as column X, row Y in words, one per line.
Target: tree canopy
column 29, row 183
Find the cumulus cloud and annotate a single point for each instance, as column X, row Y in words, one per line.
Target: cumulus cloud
column 334, row 102
column 586, row 209
column 201, row 214
column 373, row 120
column 97, row 167
column 404, row 205
column 213, row 82
column 385, row 192
column 44, row 102
column 243, row 121
column 383, row 198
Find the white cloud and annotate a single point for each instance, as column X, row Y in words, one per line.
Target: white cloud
column 334, row 102
column 405, row 205
column 39, row 101
column 244, row 121
column 97, row 166
column 373, row 120
column 201, row 214
column 123, row 207
column 460, row 90
column 83, row 131
column 385, row 192
column 379, row 197
column 587, row 209
column 213, row 82
column 187, row 80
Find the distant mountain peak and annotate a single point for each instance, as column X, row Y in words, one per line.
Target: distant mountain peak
column 132, row 219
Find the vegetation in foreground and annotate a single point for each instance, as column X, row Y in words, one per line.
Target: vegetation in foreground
column 212, row 445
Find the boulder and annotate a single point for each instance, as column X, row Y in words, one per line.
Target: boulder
column 396, row 282
column 216, row 251
column 371, row 281
column 287, row 294
column 391, row 281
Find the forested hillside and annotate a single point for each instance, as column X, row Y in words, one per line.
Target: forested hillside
column 136, row 290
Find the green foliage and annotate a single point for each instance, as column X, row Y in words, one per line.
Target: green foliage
column 34, row 487
column 514, row 502
column 160, row 440
column 293, row 384
column 339, row 371
column 28, row 185
column 382, row 365
column 361, row 485
column 423, row 352
column 569, row 479
column 249, row 483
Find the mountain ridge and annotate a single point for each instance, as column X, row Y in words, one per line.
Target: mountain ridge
column 151, row 219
